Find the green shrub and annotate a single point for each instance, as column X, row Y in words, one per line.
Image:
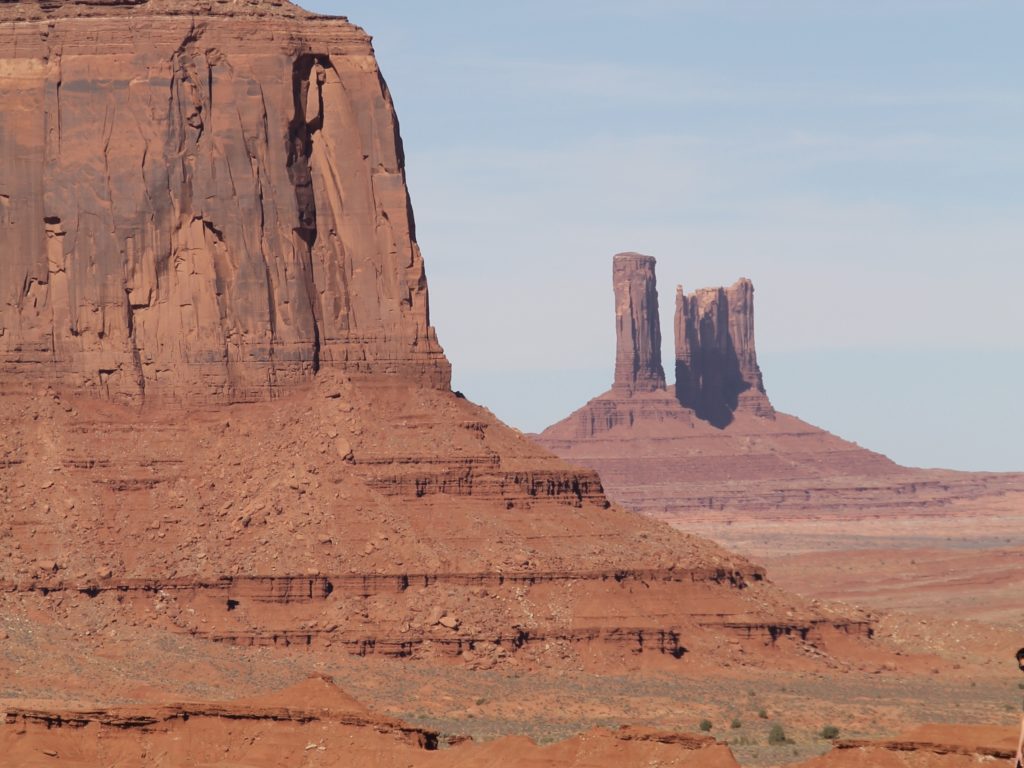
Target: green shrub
column 735, row 723
column 762, row 713
column 705, row 725
column 777, row 736
column 830, row 732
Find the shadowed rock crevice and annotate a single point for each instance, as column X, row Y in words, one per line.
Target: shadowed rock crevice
column 309, row 73
column 308, row 78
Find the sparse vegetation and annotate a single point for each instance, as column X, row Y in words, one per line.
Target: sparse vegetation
column 736, row 723
column 705, row 725
column 830, row 732
column 777, row 736
column 762, row 713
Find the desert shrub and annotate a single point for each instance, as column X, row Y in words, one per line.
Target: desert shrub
column 735, row 723
column 777, row 736
column 762, row 713
column 830, row 732
column 705, row 725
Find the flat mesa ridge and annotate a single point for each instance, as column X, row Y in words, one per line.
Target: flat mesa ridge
column 22, row 10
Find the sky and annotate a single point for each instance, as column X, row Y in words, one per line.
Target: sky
column 861, row 162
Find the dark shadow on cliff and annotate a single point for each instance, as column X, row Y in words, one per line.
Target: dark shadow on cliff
column 712, row 383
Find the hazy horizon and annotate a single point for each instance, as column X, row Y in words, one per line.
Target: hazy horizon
column 860, row 163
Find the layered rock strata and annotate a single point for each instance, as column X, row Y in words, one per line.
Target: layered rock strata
column 716, row 361
column 313, row 723
column 637, row 325
column 202, row 202
column 391, row 520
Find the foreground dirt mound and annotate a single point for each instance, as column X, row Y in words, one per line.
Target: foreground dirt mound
column 311, row 724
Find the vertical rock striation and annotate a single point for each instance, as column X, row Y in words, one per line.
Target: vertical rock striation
column 202, row 201
column 637, row 325
column 716, row 362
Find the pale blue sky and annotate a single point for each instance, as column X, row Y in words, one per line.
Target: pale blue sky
column 861, row 162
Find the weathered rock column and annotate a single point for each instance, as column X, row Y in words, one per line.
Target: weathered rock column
column 716, row 361
column 637, row 325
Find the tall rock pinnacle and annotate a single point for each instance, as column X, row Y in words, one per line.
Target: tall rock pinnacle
column 716, row 361
column 637, row 325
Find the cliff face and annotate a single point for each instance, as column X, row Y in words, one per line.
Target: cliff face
column 637, row 325
column 202, row 201
column 716, row 362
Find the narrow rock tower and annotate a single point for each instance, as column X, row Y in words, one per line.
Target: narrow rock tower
column 716, row 361
column 637, row 325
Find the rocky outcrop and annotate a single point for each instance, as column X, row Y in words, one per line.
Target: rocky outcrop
column 314, row 723
column 637, row 325
column 202, row 201
column 950, row 744
column 440, row 535
column 716, row 361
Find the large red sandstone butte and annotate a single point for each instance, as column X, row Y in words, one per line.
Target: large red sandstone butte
column 211, row 208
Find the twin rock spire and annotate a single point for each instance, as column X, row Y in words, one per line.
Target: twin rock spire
column 715, row 358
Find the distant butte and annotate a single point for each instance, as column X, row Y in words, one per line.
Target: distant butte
column 714, row 456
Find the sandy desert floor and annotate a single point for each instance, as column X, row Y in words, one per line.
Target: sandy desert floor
column 960, row 561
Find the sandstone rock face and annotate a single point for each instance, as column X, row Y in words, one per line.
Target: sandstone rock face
column 202, row 201
column 637, row 325
column 716, row 362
